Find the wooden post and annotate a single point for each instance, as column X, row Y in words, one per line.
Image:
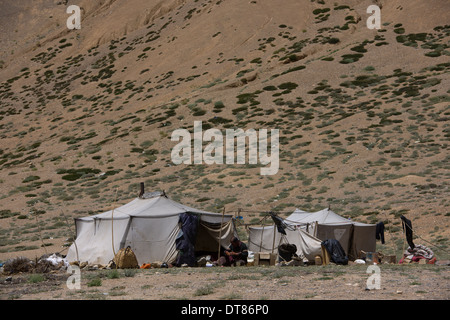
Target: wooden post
column 262, row 233
column 220, row 234
column 141, row 193
column 390, row 235
column 39, row 228
column 75, row 234
column 274, row 233
column 112, row 222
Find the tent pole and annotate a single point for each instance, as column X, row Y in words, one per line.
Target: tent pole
column 39, row 228
column 112, row 222
column 390, row 234
column 315, row 228
column 74, row 239
column 274, row 233
column 220, row 234
column 264, row 224
column 404, row 239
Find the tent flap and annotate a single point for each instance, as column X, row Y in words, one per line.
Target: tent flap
column 209, row 233
column 185, row 242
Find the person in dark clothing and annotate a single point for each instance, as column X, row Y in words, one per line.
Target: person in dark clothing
column 379, row 235
column 407, row 227
column 236, row 254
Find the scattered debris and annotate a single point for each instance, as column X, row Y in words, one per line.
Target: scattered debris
column 44, row 264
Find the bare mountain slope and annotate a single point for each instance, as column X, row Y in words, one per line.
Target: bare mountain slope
column 87, row 114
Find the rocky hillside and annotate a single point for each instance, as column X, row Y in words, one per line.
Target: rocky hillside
column 87, row 114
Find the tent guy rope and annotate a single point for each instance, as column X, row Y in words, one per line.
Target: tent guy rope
column 418, row 236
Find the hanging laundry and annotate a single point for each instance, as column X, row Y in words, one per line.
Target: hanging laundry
column 379, row 233
column 407, row 227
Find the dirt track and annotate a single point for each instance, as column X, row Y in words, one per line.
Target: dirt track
column 397, row 282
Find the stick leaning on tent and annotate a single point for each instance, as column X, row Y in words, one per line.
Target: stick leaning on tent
column 220, row 234
column 74, row 239
column 112, row 222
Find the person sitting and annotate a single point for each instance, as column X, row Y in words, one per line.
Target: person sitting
column 236, row 254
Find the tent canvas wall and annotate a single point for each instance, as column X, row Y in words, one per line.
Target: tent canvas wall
column 152, row 226
column 261, row 239
column 326, row 224
column 321, row 225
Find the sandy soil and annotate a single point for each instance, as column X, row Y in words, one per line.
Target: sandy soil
column 397, row 282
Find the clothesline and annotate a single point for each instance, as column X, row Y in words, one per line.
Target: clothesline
column 426, row 240
column 260, row 222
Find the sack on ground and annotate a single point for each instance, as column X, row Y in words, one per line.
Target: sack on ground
column 126, row 259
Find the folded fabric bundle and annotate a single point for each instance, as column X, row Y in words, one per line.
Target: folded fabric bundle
column 419, row 252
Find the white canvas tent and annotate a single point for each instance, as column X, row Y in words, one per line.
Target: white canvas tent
column 324, row 224
column 263, row 239
column 150, row 225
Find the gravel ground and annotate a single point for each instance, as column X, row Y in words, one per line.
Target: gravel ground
column 332, row 282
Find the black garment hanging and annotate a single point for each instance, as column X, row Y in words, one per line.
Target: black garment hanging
column 407, row 227
column 379, row 234
column 279, row 223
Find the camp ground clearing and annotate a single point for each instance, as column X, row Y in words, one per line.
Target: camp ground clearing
column 261, row 283
column 315, row 278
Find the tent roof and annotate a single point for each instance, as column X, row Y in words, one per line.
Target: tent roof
column 324, row 216
column 153, row 205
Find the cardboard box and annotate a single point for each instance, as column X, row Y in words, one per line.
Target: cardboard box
column 265, row 259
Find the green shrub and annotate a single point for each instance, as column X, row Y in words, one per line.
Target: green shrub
column 36, row 278
column 75, row 174
column 245, row 97
column 30, row 178
column 130, row 272
column 270, row 88
column 204, row 291
column 113, row 274
column 97, row 282
column 341, row 7
column 288, row 86
column 350, row 58
column 333, row 40
column 433, row 54
column 319, row 11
